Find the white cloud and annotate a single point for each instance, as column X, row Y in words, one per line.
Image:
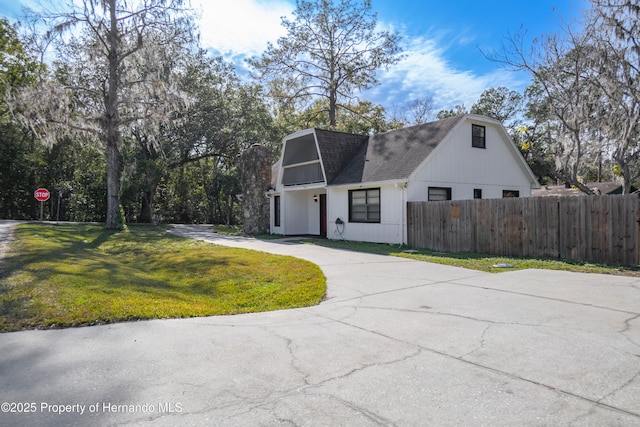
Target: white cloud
column 241, row 27
column 425, row 72
column 238, row 29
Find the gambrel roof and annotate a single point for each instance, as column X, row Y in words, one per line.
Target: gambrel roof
column 390, row 156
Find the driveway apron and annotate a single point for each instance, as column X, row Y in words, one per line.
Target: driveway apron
column 395, row 342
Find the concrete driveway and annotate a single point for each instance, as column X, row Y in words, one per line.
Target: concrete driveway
column 397, row 342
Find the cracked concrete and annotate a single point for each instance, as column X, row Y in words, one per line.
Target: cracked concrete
column 396, row 342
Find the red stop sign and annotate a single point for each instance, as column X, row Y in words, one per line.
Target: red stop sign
column 42, row 194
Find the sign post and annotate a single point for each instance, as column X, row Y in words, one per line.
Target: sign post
column 42, row 195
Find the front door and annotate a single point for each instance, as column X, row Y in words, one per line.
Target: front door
column 323, row 216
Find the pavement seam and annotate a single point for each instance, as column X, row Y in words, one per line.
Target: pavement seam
column 440, row 313
column 421, row 285
column 631, row 380
column 494, row 370
column 452, row 282
column 372, row 416
column 496, row 322
column 274, row 398
column 367, row 413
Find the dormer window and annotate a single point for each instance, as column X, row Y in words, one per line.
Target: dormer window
column 478, row 139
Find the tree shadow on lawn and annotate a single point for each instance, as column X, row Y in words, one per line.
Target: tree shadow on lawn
column 77, row 268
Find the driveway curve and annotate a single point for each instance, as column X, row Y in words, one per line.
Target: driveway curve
column 396, row 342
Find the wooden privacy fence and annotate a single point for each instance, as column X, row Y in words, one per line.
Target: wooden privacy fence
column 601, row 229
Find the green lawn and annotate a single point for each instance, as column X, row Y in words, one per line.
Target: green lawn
column 71, row 275
column 475, row 261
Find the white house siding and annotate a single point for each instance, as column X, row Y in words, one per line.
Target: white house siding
column 463, row 168
column 299, row 213
column 389, row 230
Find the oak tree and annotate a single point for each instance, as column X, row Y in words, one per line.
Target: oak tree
column 114, row 70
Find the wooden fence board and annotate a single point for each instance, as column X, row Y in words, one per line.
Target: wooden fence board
column 603, row 229
column 619, row 234
column 482, row 230
column 633, row 231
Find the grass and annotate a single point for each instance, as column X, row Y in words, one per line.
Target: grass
column 229, row 230
column 472, row 261
column 236, row 230
column 71, row 275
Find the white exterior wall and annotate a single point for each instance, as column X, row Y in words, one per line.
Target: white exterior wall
column 392, row 212
column 458, row 165
column 294, row 213
column 299, row 213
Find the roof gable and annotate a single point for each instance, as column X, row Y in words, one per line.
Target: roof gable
column 395, row 154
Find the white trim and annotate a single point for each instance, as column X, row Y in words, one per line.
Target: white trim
column 295, row 165
column 301, row 187
column 367, row 184
column 299, row 133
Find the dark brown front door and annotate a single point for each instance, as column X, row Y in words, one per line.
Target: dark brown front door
column 323, row 216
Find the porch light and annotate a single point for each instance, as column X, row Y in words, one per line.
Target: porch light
column 315, row 198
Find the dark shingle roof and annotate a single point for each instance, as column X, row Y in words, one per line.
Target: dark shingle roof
column 353, row 159
column 336, row 149
column 394, row 154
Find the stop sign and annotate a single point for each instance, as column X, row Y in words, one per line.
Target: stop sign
column 42, row 194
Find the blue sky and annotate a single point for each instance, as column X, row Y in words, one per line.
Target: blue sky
column 443, row 40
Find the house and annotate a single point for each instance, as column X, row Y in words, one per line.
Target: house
column 598, row 188
column 356, row 187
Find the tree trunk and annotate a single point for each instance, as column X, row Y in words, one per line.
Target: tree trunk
column 146, row 209
column 110, row 125
column 113, row 187
column 148, row 194
column 332, row 108
column 626, row 176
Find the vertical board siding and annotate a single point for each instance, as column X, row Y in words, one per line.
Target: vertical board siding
column 601, row 229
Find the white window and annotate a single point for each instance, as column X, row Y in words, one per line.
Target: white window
column 437, row 194
column 364, row 205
